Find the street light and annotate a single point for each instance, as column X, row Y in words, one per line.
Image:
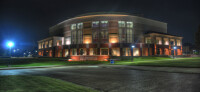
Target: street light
column 133, row 46
column 10, row 45
column 174, row 51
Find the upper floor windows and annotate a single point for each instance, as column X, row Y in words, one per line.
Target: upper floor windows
column 148, row 40
column 129, row 24
column 104, row 23
column 73, row 26
column 79, row 25
column 95, row 24
column 158, row 40
column 166, row 41
column 121, row 23
column 178, row 42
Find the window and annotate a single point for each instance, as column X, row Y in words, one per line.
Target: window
column 104, row 51
column 73, row 27
column 46, row 44
column 95, row 24
column 58, row 42
column 172, row 42
column 104, row 23
column 95, row 36
column 129, row 24
column 104, row 35
column 129, row 35
column 93, row 51
column 50, row 43
column 178, row 42
column 166, row 41
column 79, row 25
column 73, row 37
column 66, row 52
column 115, row 52
column 121, row 23
column 74, row 51
column 80, row 37
column 83, row 51
column 122, row 36
column 159, row 40
column 148, row 40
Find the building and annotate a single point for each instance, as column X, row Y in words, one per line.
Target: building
column 100, row 36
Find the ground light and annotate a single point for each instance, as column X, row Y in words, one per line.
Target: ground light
column 133, row 46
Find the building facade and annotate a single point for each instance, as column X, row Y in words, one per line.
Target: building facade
column 100, row 36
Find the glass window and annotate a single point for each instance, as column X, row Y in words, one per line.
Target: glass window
column 80, row 25
column 50, row 43
column 172, row 42
column 59, row 42
column 148, row 40
column 74, row 51
column 129, row 24
column 178, row 42
column 73, row 37
column 121, row 23
column 73, row 26
column 104, row 51
column 166, row 41
column 129, row 35
column 158, row 40
column 80, row 37
column 104, row 23
column 95, row 24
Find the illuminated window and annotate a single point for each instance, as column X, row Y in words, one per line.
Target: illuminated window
column 73, row 37
column 40, row 45
column 95, row 24
column 121, row 23
column 172, row 42
column 80, row 37
column 79, row 25
column 129, row 24
column 122, row 35
column 104, row 35
column 104, row 51
column 93, row 51
column 73, row 26
column 178, row 42
column 115, row 52
column 95, row 36
column 166, row 41
column 104, row 23
column 74, row 51
column 46, row 44
column 66, row 52
column 158, row 40
column 58, row 42
column 148, row 40
column 67, row 41
column 129, row 35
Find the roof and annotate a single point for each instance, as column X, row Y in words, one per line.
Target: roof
column 152, row 32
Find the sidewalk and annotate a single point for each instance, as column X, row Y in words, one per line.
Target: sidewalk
column 159, row 69
column 30, row 67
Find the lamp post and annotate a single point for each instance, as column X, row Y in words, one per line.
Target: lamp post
column 133, row 46
column 10, row 45
column 174, row 51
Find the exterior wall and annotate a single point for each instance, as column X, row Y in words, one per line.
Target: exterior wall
column 99, row 37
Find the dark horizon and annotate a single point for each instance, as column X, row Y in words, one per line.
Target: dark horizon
column 26, row 22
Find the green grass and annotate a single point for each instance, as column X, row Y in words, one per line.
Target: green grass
column 38, row 84
column 163, row 62
column 138, row 61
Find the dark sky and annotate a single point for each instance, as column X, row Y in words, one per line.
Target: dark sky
column 27, row 21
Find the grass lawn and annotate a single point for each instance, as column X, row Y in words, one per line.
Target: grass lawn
column 138, row 61
column 27, row 62
column 38, row 84
column 166, row 62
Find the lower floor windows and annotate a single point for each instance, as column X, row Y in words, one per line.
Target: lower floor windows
column 74, row 51
column 104, row 51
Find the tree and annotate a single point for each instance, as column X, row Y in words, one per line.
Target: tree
column 197, row 39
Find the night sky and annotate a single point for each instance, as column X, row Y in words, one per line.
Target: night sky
column 27, row 21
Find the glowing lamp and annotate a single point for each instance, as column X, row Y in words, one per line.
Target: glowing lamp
column 174, row 47
column 133, row 46
column 10, row 44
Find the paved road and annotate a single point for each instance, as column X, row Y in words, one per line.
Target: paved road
column 118, row 80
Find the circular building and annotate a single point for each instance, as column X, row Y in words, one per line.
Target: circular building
column 104, row 36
